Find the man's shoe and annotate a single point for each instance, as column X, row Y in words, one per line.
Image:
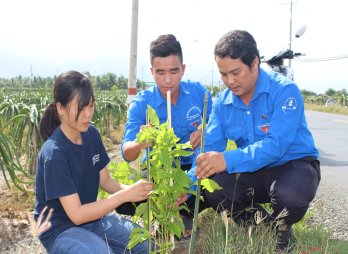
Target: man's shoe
column 285, row 239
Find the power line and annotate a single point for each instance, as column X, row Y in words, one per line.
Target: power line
column 322, row 59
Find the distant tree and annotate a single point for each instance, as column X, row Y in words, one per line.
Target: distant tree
column 140, row 84
column 343, row 91
column 330, row 92
column 307, row 92
column 122, row 83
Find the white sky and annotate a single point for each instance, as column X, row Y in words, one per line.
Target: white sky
column 94, row 35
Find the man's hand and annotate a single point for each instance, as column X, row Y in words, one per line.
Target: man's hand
column 195, row 138
column 132, row 149
column 209, row 164
column 183, row 198
column 143, row 145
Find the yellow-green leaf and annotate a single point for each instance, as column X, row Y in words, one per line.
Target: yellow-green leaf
column 210, row 185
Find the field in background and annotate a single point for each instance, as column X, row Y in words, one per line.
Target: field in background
column 336, row 109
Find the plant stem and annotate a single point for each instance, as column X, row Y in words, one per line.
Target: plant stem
column 198, row 191
column 149, row 199
column 169, row 120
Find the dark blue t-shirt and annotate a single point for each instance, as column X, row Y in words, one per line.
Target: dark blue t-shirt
column 65, row 168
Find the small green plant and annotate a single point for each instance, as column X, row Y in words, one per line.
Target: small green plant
column 169, row 181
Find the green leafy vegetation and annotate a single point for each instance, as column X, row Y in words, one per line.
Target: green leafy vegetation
column 20, row 114
column 169, row 181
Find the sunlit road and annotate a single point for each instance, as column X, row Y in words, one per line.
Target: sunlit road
column 330, row 133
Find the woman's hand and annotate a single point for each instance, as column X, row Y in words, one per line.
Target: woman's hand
column 138, row 191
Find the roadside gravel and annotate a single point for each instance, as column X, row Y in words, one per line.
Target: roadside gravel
column 331, row 202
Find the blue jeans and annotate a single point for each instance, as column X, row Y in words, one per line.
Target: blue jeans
column 110, row 234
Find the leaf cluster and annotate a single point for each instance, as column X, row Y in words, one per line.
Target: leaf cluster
column 169, row 181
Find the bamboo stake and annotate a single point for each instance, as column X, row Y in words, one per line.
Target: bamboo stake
column 198, row 191
column 148, row 179
column 169, row 110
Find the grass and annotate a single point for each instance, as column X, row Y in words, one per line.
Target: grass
column 261, row 238
column 336, row 109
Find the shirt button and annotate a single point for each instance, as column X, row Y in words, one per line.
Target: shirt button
column 248, row 112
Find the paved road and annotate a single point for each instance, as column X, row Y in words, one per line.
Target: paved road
column 330, row 133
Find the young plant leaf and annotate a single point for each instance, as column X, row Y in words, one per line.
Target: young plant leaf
column 154, row 120
column 210, row 185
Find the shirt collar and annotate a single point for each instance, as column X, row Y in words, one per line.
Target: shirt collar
column 262, row 86
column 159, row 98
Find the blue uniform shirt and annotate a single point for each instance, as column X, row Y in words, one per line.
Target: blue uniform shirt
column 186, row 114
column 270, row 131
column 65, row 168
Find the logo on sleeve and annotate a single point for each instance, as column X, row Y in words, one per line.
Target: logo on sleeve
column 95, row 159
column 289, row 105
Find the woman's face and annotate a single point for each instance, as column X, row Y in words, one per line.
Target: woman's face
column 68, row 115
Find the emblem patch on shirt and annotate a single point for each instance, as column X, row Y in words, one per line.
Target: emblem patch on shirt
column 264, row 127
column 289, row 105
column 195, row 124
column 193, row 116
column 95, row 159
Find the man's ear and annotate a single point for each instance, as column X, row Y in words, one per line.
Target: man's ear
column 255, row 64
column 183, row 66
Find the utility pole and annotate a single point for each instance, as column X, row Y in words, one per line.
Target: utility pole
column 142, row 77
column 132, row 77
column 290, row 35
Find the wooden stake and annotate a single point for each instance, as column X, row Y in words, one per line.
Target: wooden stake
column 198, row 191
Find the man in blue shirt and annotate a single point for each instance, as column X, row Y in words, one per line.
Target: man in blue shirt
column 275, row 160
column 187, row 99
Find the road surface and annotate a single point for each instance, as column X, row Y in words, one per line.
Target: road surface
column 330, row 132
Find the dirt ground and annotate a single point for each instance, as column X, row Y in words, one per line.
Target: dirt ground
column 15, row 207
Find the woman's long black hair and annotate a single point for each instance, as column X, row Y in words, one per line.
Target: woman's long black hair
column 67, row 86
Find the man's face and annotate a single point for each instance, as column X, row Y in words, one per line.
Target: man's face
column 167, row 72
column 238, row 77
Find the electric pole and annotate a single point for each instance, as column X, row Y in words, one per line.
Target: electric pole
column 132, row 77
column 290, row 34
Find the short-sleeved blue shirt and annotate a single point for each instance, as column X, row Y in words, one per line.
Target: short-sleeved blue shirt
column 270, row 131
column 65, row 168
column 186, row 114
